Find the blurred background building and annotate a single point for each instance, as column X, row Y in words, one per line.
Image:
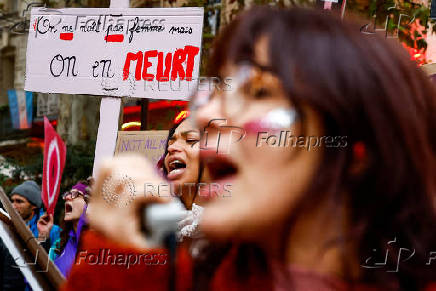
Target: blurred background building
column 76, row 117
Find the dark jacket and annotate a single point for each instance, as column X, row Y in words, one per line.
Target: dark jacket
column 10, row 274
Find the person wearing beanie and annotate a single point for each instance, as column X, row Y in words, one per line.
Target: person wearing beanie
column 26, row 199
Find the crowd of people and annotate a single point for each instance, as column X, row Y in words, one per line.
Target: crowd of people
column 297, row 219
column 60, row 243
column 324, row 218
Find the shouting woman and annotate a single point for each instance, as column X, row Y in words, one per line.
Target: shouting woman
column 343, row 199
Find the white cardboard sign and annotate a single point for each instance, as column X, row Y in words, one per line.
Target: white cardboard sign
column 135, row 52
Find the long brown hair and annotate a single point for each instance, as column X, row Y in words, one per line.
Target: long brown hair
column 368, row 90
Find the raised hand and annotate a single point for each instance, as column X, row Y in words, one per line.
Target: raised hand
column 44, row 225
column 118, row 198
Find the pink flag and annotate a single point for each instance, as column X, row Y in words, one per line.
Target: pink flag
column 54, row 162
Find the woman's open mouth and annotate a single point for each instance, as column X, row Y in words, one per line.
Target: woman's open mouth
column 68, row 208
column 176, row 168
column 221, row 168
column 222, row 172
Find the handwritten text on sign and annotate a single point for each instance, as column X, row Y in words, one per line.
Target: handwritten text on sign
column 117, row 52
column 150, row 143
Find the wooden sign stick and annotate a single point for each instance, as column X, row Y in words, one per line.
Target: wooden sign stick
column 109, row 114
column 46, row 266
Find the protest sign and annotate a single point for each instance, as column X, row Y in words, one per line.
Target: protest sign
column 54, row 162
column 47, row 104
column 117, row 51
column 150, row 143
column 148, row 53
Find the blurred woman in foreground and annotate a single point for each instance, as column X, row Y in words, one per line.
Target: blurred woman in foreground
column 349, row 205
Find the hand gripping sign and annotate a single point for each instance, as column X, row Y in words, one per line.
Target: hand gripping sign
column 54, row 162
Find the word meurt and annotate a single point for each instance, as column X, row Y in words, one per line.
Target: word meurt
column 168, row 65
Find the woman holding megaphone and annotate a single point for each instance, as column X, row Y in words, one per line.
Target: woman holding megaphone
column 328, row 218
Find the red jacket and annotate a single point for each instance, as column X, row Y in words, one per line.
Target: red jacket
column 104, row 265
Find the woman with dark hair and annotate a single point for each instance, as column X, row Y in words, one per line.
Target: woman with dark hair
column 181, row 161
column 365, row 194
column 333, row 184
column 181, row 166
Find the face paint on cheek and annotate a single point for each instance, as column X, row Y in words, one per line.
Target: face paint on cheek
column 275, row 120
column 271, row 129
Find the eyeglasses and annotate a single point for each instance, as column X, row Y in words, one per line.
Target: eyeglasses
column 73, row 194
column 251, row 82
column 252, row 85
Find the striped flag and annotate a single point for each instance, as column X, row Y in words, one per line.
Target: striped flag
column 21, row 108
